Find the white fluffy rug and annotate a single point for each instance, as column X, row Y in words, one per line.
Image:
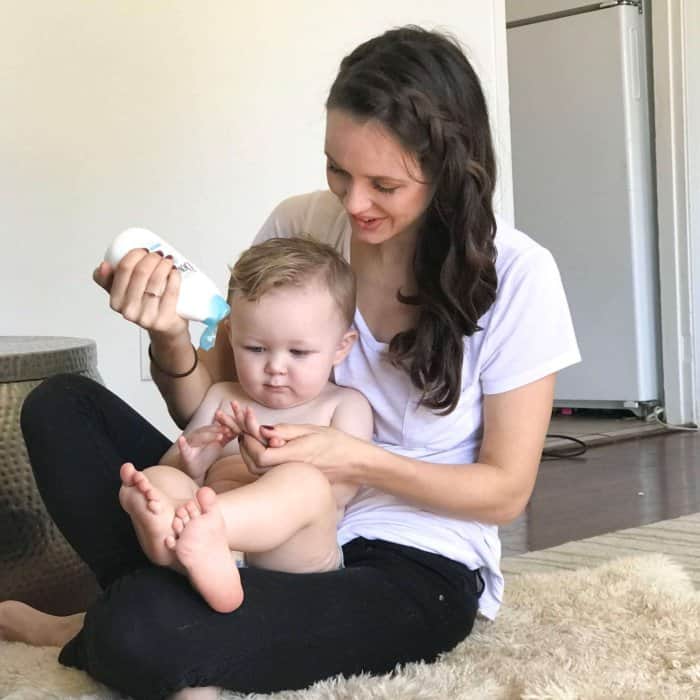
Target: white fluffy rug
column 627, row 629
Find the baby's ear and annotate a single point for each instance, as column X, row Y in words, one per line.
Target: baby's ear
column 344, row 346
column 224, row 330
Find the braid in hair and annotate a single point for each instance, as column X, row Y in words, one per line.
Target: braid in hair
column 420, row 86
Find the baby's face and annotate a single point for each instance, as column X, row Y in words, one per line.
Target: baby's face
column 286, row 343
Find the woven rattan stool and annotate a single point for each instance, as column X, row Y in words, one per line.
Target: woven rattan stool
column 37, row 565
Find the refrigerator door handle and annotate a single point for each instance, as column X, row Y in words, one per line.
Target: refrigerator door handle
column 581, row 10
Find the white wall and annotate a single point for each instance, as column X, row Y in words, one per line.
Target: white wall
column 192, row 118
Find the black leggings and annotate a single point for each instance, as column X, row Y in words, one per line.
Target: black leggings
column 150, row 634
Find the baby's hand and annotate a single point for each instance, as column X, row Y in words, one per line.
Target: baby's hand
column 228, row 422
column 202, row 447
column 248, row 423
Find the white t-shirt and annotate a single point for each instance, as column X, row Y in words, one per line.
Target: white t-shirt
column 527, row 334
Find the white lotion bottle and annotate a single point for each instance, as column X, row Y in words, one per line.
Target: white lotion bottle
column 199, row 298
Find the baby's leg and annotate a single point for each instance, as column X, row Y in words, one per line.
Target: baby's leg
column 150, row 497
column 297, row 520
column 202, row 550
column 286, row 521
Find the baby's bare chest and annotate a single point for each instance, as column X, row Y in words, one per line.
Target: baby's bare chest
column 318, row 411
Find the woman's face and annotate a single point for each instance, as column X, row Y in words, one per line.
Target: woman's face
column 380, row 185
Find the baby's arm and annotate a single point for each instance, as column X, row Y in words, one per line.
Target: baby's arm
column 204, row 437
column 352, row 415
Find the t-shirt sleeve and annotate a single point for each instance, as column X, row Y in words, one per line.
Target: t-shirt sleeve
column 287, row 219
column 530, row 333
column 317, row 214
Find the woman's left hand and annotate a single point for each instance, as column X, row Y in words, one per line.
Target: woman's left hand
column 331, row 451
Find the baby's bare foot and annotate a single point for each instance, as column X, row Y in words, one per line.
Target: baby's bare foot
column 202, row 549
column 151, row 514
column 21, row 623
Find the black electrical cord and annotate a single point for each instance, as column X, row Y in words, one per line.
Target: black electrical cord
column 576, row 450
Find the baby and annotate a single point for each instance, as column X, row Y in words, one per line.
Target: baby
column 292, row 305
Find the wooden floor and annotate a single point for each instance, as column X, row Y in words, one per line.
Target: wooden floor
column 611, row 487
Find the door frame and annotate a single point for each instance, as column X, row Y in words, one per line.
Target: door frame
column 676, row 69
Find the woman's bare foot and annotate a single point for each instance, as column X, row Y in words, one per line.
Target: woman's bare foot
column 202, row 549
column 151, row 513
column 205, row 693
column 21, row 623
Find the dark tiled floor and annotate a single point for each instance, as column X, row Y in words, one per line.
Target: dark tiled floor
column 600, row 429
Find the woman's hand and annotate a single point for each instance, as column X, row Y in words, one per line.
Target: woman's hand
column 332, row 451
column 144, row 289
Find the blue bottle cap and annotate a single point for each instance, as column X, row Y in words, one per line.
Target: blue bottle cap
column 218, row 311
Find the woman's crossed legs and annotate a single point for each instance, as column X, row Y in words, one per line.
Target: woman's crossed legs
column 150, row 635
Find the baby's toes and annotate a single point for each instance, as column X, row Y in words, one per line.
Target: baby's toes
column 141, row 483
column 178, row 526
column 126, row 472
column 192, row 509
column 182, row 515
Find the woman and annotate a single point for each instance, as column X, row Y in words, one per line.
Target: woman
column 463, row 324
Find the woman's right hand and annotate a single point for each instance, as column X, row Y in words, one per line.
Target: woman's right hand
column 144, row 289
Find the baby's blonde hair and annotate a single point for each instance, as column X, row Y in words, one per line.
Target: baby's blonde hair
column 294, row 262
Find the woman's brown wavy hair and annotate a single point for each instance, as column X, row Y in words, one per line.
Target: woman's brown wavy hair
column 419, row 85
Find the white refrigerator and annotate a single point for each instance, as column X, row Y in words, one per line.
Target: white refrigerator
column 584, row 188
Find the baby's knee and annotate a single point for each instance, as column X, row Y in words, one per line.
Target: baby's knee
column 306, row 479
column 162, row 471
column 304, row 475
column 169, row 478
